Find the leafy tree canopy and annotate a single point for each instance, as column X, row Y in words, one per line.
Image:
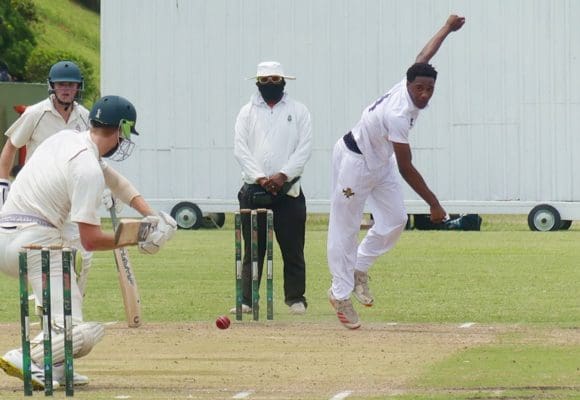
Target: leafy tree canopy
column 16, row 36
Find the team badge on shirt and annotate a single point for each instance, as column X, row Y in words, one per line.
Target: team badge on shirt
column 348, row 193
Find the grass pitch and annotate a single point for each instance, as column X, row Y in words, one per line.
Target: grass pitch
column 458, row 315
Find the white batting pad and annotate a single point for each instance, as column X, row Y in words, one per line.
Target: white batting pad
column 85, row 337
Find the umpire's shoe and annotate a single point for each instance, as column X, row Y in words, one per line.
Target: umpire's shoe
column 246, row 309
column 11, row 363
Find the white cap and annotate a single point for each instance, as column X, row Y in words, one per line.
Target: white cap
column 270, row 68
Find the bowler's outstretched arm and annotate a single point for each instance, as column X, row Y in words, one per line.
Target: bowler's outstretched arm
column 454, row 23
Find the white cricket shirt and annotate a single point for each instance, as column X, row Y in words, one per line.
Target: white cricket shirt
column 389, row 119
column 275, row 139
column 63, row 176
column 41, row 120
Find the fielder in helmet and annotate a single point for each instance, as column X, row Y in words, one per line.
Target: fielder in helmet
column 64, row 181
column 41, row 120
column 66, row 82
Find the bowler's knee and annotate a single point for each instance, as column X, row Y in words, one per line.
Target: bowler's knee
column 403, row 219
column 395, row 224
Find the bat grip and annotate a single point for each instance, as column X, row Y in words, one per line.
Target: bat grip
column 113, row 212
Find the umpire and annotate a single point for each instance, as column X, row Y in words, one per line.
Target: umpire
column 273, row 142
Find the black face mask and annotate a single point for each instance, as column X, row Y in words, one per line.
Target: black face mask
column 271, row 92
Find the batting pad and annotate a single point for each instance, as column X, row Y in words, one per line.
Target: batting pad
column 85, row 337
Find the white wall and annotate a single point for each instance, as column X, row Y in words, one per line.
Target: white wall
column 500, row 125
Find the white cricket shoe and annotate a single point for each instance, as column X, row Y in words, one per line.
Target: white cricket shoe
column 59, row 376
column 344, row 311
column 246, row 309
column 361, row 289
column 297, row 308
column 11, row 363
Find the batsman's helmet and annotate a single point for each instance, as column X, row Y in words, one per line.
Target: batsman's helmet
column 115, row 111
column 65, row 71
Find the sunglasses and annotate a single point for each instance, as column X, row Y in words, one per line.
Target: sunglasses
column 274, row 79
column 125, row 127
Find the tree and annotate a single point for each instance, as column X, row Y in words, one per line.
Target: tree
column 16, row 37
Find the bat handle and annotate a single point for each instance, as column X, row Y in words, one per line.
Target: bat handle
column 113, row 213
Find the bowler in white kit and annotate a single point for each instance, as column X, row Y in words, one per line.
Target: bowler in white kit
column 364, row 171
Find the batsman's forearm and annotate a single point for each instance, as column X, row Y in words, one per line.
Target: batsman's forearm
column 99, row 243
column 418, row 184
column 120, row 186
column 138, row 203
column 94, row 239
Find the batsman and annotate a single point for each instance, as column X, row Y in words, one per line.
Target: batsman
column 62, row 110
column 64, row 179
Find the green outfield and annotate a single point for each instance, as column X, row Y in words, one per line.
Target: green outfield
column 493, row 314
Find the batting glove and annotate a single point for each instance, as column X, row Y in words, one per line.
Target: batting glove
column 4, row 189
column 109, row 201
column 167, row 225
column 156, row 239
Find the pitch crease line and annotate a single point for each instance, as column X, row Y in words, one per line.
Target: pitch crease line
column 342, row 395
column 242, row 395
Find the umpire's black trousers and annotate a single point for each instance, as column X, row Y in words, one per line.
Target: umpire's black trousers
column 289, row 227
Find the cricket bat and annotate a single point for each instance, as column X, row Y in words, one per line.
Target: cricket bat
column 131, row 231
column 127, row 282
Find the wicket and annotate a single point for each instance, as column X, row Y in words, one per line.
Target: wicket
column 254, row 262
column 46, row 318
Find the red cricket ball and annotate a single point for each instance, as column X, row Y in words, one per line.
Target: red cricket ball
column 222, row 322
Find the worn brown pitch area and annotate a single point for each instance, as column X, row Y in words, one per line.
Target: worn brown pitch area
column 273, row 360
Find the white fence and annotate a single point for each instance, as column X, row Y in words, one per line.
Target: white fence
column 498, row 137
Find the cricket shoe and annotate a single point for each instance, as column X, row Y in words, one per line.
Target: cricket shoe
column 58, row 375
column 246, row 309
column 11, row 363
column 344, row 311
column 332, row 299
column 361, row 289
column 297, row 308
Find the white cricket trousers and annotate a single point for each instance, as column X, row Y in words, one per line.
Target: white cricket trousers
column 11, row 241
column 353, row 185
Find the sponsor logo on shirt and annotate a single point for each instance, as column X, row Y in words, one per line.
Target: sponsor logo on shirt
column 348, row 193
